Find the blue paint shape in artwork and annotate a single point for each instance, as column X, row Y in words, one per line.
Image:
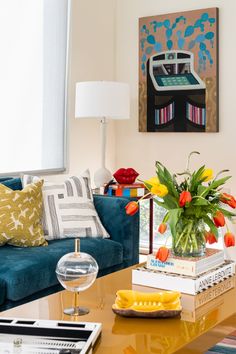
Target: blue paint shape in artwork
column 149, row 50
column 169, row 44
column 197, row 23
column 158, row 46
column 166, row 23
column 168, row 33
column 200, row 38
column 209, row 35
column 191, row 44
column 151, row 39
column 202, row 46
column 159, row 24
column 179, row 37
column 204, row 17
column 142, row 43
column 181, row 42
column 212, row 20
column 189, row 31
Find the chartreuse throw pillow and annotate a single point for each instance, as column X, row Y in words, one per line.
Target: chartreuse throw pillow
column 20, row 216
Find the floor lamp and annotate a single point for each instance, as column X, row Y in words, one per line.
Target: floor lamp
column 102, row 99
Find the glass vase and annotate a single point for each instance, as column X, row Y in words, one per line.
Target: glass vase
column 189, row 240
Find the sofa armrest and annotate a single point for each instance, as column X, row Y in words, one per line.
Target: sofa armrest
column 121, row 227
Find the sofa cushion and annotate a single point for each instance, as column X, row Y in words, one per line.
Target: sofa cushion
column 29, row 270
column 68, row 208
column 20, row 216
column 2, row 291
column 13, row 183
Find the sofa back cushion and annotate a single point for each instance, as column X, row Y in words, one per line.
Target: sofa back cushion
column 69, row 210
column 12, row 183
column 20, row 216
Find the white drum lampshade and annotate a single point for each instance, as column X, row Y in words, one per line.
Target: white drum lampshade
column 102, row 99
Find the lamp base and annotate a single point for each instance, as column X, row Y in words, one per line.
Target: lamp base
column 102, row 176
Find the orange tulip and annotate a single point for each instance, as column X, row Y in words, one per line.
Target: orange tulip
column 162, row 228
column 228, row 199
column 185, row 197
column 131, row 208
column 219, row 219
column 229, row 239
column 210, row 237
column 162, row 254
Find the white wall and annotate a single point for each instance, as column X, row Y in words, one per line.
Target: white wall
column 91, row 58
column 141, row 150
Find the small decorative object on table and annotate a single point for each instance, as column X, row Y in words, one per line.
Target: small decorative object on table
column 194, row 208
column 76, row 272
column 131, row 303
column 125, row 175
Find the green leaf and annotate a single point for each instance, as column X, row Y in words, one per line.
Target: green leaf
column 227, row 213
column 166, row 179
column 195, row 180
column 211, row 225
column 163, row 204
column 174, row 215
column 147, row 185
column 214, row 185
column 201, row 189
column 200, row 201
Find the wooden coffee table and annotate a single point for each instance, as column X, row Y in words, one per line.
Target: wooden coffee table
column 212, row 322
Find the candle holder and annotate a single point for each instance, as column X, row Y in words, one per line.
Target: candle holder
column 76, row 272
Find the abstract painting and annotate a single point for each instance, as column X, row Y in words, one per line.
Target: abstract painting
column 178, row 72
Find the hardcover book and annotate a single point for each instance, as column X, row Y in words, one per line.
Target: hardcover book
column 196, row 306
column 192, row 266
column 183, row 283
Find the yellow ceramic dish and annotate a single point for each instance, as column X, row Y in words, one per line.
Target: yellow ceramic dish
column 131, row 303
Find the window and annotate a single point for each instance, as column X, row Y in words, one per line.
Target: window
column 33, row 37
column 158, row 214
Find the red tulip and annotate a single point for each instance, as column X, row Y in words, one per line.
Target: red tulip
column 185, row 197
column 162, row 228
column 228, row 199
column 229, row 239
column 219, row 219
column 162, row 254
column 210, row 237
column 131, row 208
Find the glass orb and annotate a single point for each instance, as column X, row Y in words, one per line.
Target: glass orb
column 76, row 272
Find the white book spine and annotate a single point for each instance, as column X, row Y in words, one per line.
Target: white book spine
column 185, row 267
column 188, row 285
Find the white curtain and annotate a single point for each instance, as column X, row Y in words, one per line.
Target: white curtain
column 33, row 50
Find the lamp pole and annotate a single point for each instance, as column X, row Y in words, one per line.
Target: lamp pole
column 102, row 175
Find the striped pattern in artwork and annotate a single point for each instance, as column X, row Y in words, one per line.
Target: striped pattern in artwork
column 196, row 115
column 164, row 115
column 68, row 208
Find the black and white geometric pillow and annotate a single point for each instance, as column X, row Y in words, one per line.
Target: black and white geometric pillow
column 69, row 209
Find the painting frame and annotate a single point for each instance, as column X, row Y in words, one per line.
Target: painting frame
column 178, row 72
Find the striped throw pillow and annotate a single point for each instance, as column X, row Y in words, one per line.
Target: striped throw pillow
column 68, row 208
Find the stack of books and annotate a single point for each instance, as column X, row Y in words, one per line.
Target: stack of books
column 127, row 190
column 194, row 307
column 187, row 275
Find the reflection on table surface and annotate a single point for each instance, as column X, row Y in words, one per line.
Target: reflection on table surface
column 140, row 336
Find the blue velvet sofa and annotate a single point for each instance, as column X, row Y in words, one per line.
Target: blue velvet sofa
column 29, row 273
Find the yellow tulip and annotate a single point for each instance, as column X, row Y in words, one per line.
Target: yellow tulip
column 153, row 181
column 207, row 175
column 160, row 190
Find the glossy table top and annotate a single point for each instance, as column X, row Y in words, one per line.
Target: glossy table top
column 195, row 332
